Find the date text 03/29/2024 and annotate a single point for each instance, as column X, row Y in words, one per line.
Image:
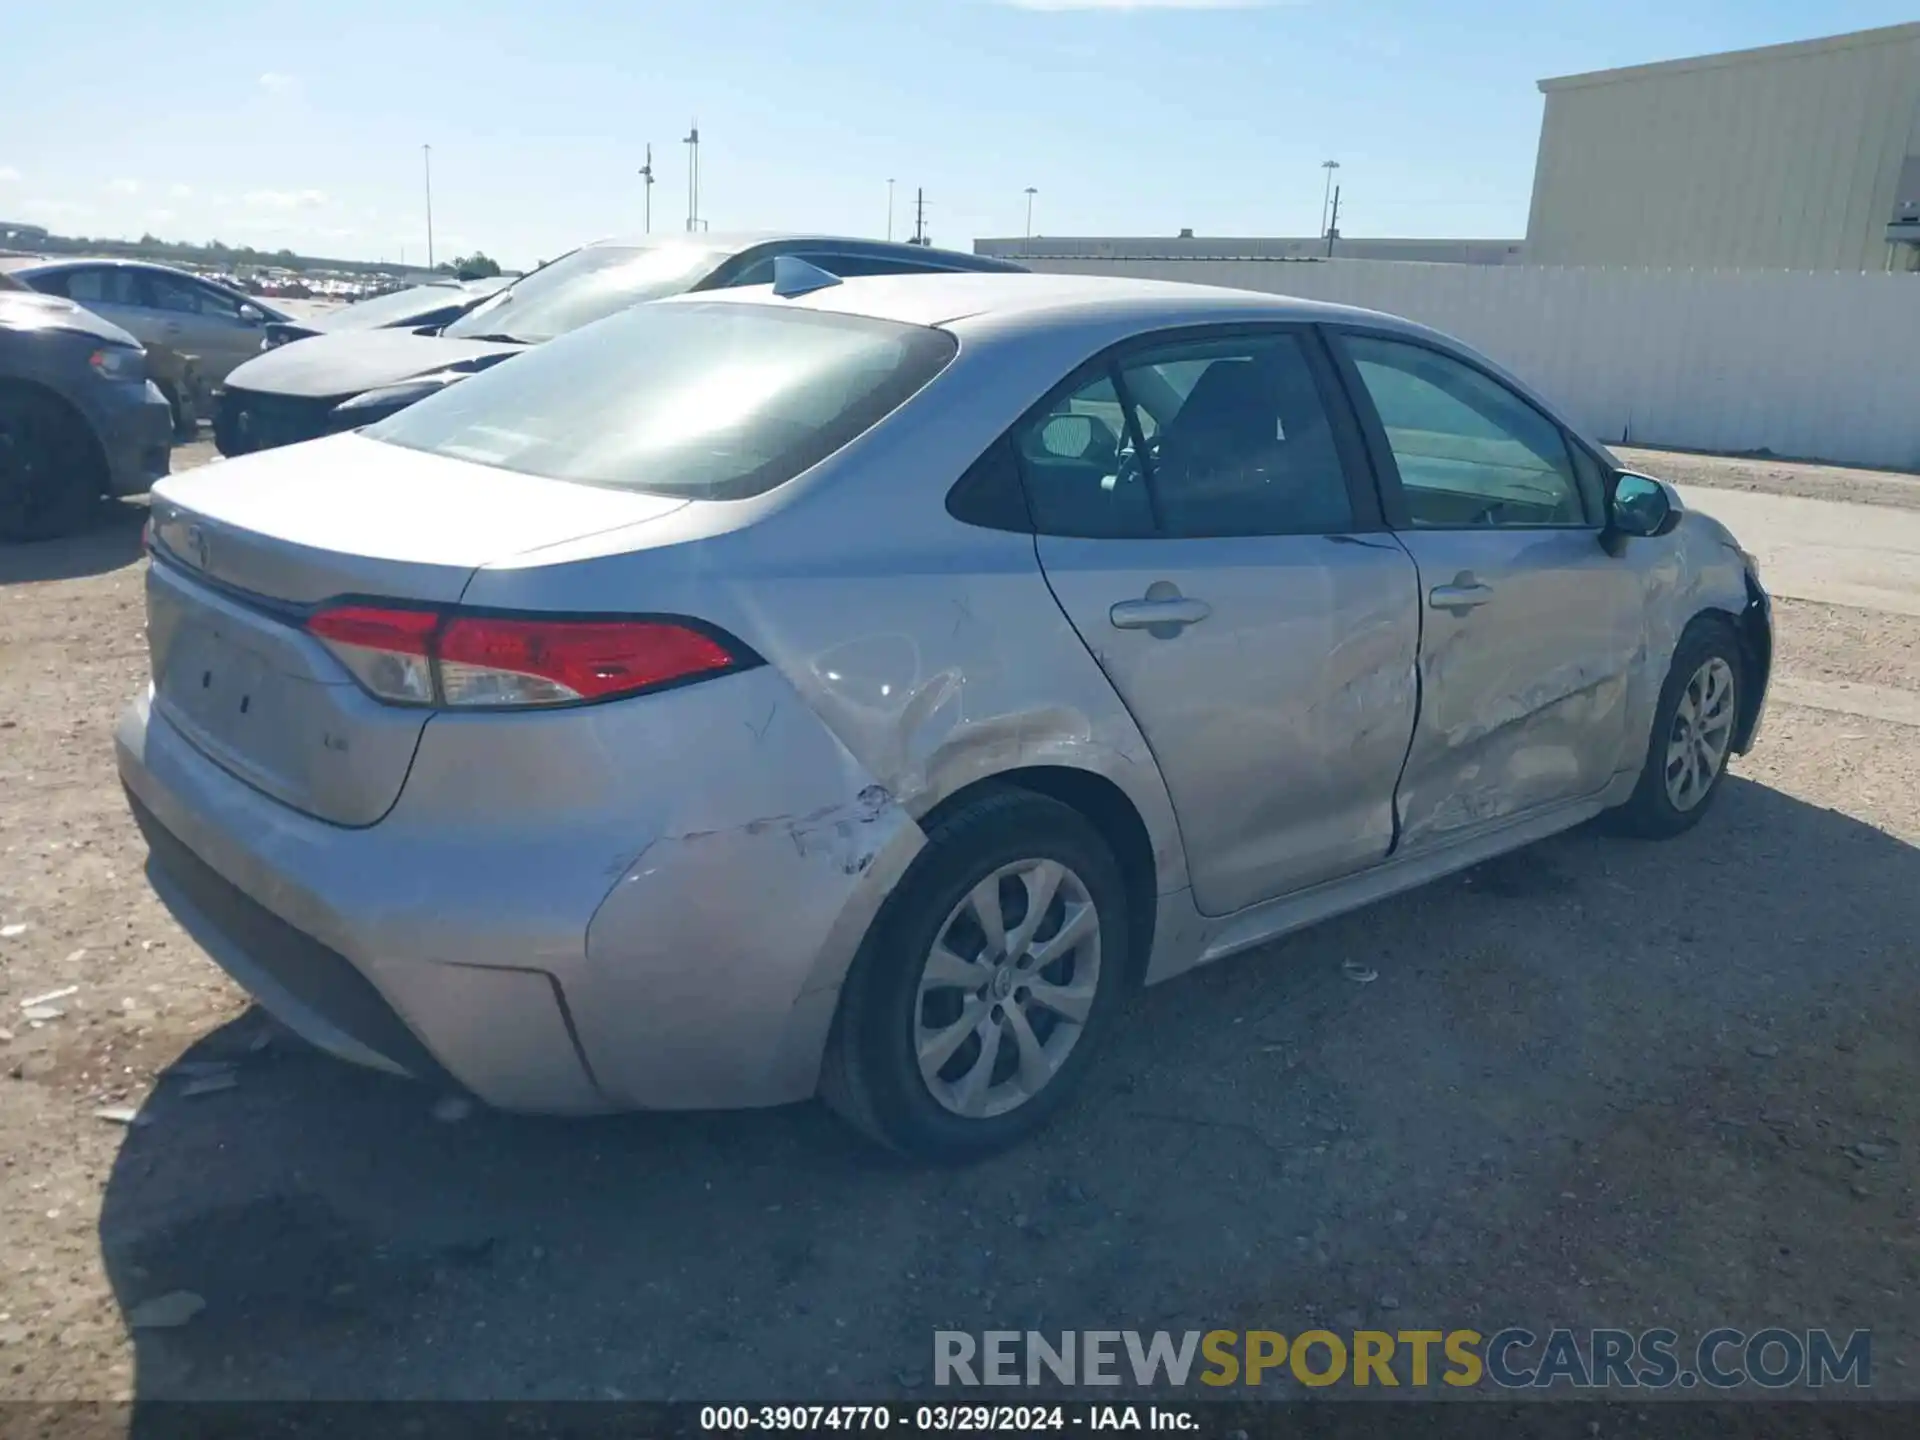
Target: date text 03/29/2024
column 961, row 1418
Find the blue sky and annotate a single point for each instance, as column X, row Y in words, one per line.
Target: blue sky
column 301, row 125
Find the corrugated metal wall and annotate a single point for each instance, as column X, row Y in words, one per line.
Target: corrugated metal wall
column 1786, row 158
column 1822, row 366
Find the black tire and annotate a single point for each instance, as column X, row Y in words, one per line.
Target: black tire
column 51, row 478
column 1651, row 812
column 872, row 1077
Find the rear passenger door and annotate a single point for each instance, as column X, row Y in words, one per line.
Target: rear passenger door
column 1203, row 518
column 1530, row 625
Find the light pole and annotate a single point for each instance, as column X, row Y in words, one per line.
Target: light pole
column 692, row 143
column 889, row 207
column 1329, row 166
column 426, row 162
column 646, row 174
column 1031, row 192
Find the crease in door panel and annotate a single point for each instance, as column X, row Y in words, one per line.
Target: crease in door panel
column 1419, row 686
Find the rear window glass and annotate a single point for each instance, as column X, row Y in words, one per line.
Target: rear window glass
column 706, row 400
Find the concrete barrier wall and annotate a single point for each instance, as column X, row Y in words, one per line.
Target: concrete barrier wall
column 1821, row 366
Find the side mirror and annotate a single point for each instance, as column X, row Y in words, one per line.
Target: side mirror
column 253, row 315
column 1641, row 506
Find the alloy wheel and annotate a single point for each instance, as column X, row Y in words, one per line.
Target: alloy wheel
column 1701, row 734
column 1005, row 993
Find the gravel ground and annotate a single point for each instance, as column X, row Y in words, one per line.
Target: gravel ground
column 1776, row 477
column 1594, row 1083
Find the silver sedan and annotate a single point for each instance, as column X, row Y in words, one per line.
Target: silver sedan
column 855, row 688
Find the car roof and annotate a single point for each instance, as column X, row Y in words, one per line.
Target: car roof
column 1014, row 301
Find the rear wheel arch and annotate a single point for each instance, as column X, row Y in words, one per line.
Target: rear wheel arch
column 1110, row 811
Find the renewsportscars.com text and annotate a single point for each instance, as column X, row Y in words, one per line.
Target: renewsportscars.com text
column 1515, row 1358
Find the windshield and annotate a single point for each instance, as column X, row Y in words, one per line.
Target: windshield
column 585, row 286
column 394, row 308
column 708, row 400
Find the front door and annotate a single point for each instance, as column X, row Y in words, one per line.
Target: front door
column 202, row 322
column 1199, row 523
column 1530, row 626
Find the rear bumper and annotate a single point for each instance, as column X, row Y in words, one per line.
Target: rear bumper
column 480, row 939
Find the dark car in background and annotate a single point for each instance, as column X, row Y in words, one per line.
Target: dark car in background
column 418, row 307
column 79, row 419
column 336, row 382
column 159, row 305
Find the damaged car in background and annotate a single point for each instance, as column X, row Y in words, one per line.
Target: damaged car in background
column 80, row 418
column 855, row 688
column 428, row 308
column 342, row 380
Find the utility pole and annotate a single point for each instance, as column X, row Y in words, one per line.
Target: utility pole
column 692, row 143
column 1333, row 226
column 920, row 216
column 646, row 174
column 426, row 160
column 1329, row 166
column 889, row 207
column 1031, row 192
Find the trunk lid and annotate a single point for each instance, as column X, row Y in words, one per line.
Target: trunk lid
column 345, row 363
column 245, row 549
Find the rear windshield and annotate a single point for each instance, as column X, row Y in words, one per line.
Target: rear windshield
column 585, row 286
column 708, row 400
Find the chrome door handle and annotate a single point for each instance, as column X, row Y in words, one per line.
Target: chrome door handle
column 1151, row 614
column 1459, row 597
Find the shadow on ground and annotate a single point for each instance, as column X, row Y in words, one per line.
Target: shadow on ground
column 1595, row 1082
column 110, row 539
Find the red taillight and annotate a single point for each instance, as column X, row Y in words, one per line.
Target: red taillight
column 388, row 651
column 404, row 632
column 424, row 657
column 487, row 661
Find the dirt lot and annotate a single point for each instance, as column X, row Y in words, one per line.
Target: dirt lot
column 1596, row 1083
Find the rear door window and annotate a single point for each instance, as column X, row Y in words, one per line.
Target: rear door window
column 1188, row 440
column 102, row 285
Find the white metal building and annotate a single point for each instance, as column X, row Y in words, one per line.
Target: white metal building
column 1188, row 246
column 1798, row 157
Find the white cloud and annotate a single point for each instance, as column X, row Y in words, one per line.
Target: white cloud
column 162, row 216
column 278, row 82
column 9, row 174
column 46, row 209
column 179, row 192
column 1140, row 4
column 286, row 199
column 124, row 187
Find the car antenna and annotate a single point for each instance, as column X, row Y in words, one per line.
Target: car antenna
column 793, row 276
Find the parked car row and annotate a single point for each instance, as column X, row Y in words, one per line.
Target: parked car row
column 349, row 377
column 830, row 681
column 204, row 344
